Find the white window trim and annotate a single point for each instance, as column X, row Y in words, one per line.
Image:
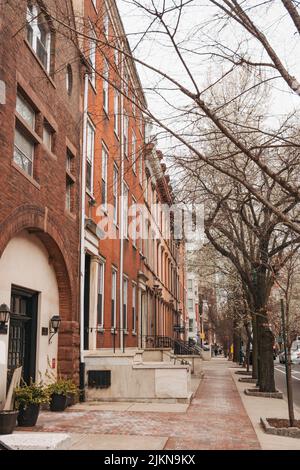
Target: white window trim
column 105, row 87
column 125, row 205
column 115, row 193
column 116, row 112
column 133, row 151
column 114, row 293
column 106, row 154
column 91, row 190
column 125, row 302
column 101, row 266
column 134, row 292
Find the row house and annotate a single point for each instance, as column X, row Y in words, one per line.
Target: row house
column 130, row 281
column 40, row 151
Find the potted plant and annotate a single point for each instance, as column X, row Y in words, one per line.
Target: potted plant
column 72, row 393
column 58, row 392
column 28, row 399
column 8, row 421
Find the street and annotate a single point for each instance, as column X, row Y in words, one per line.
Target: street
column 281, row 380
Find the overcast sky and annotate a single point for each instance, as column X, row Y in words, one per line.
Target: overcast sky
column 197, row 31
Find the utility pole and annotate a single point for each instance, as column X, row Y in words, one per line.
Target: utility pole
column 287, row 367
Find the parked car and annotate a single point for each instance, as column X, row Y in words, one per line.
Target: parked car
column 295, row 354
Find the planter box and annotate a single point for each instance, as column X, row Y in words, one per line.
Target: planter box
column 287, row 432
column 8, row 421
column 28, row 416
column 254, row 392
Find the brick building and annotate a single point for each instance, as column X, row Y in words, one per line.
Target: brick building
column 40, row 148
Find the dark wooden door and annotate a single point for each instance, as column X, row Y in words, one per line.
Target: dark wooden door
column 22, row 334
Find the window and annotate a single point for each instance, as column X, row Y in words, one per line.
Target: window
column 90, row 157
column 106, row 24
column 113, row 299
column 134, row 308
column 23, row 152
column 69, row 190
column 133, row 222
column 125, row 83
column 104, row 177
column 69, row 161
column 25, row 110
column 125, row 210
column 38, row 34
column 191, row 325
column 133, row 105
column 125, row 300
column 105, row 86
column 69, row 79
column 125, row 134
column 141, row 123
column 48, row 134
column 115, row 193
column 100, row 300
column 116, row 54
column 116, row 112
column 190, row 305
column 141, row 169
column 69, row 181
column 133, row 151
column 92, row 56
column 190, row 285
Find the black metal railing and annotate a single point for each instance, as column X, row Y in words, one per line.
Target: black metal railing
column 179, row 347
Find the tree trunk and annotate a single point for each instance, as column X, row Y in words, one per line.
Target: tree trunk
column 266, row 360
column 254, row 349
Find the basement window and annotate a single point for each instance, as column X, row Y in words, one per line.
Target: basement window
column 99, row 378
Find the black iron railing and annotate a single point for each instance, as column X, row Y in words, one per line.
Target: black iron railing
column 179, row 347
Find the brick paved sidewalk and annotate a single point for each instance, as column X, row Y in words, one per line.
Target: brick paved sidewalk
column 216, row 418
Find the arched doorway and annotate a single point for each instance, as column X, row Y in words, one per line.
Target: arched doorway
column 37, row 282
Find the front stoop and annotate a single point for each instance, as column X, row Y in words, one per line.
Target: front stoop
column 287, row 432
column 36, row 441
column 254, row 392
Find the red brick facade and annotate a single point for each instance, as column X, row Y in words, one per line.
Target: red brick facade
column 37, row 203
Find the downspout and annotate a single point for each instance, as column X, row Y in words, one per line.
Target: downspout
column 122, row 209
column 82, row 228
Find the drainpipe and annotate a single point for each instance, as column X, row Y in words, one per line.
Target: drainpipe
column 82, row 228
column 122, row 210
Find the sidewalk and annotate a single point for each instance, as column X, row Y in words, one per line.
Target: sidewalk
column 266, row 408
column 216, row 419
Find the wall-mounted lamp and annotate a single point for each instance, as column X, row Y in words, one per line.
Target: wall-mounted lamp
column 4, row 318
column 54, row 326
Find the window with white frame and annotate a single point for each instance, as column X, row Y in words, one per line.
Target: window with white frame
column 190, row 305
column 134, row 308
column 104, row 176
column 133, row 105
column 48, row 136
column 125, row 82
column 23, row 151
column 105, row 23
column 125, row 134
column 100, row 294
column 92, row 55
column 133, row 151
column 116, row 111
column 133, row 222
column 105, row 85
column 25, row 110
column 115, row 193
column 141, row 168
column 125, row 210
column 90, row 156
column 39, row 34
column 125, row 302
column 114, row 298
column 141, row 230
column 24, row 146
column 116, row 54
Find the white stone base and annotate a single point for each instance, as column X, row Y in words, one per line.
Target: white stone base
column 36, row 441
